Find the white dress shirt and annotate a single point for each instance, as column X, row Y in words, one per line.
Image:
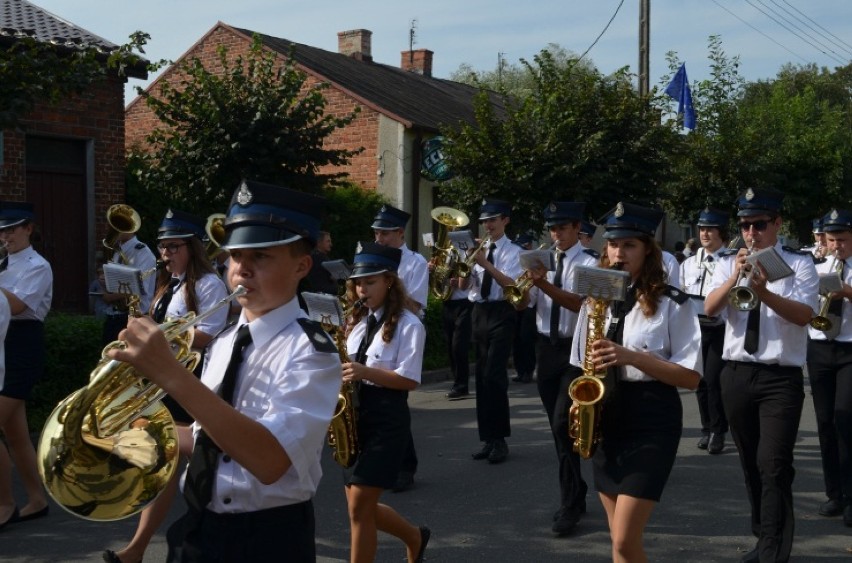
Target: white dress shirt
column 289, row 387
column 781, row 342
column 696, row 273
column 209, row 290
column 29, row 277
column 672, row 268
column 506, row 256
column 403, row 354
column 140, row 257
column 414, row 273
column 672, row 334
column 574, row 256
column 843, row 331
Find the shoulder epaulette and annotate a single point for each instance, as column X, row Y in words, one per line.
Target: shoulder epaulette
column 320, row 339
column 139, row 245
column 727, row 252
column 819, row 260
column 592, row 253
column 796, row 251
column 676, row 295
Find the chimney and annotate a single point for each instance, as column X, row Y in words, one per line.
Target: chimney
column 355, row 43
column 419, row 61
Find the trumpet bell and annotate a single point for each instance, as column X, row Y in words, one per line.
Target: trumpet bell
column 743, row 298
column 821, row 323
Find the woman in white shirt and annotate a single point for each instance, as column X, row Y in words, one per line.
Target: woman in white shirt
column 654, row 348
column 385, row 344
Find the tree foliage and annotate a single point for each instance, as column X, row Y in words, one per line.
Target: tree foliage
column 251, row 116
column 32, row 71
column 578, row 135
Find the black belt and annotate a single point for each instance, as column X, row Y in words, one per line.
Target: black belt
column 829, row 342
column 493, row 302
column 286, row 513
column 757, row 365
column 559, row 340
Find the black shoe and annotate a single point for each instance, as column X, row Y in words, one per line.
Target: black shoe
column 847, row 515
column 499, row 451
column 425, row 534
column 566, row 521
column 457, row 392
column 484, row 452
column 526, row 378
column 752, row 556
column 703, row 442
column 14, row 517
column 716, row 444
column 517, row 379
column 831, row 507
column 404, row 481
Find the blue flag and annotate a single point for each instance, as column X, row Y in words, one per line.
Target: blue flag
column 678, row 89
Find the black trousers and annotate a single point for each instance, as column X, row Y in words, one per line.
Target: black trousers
column 830, row 375
column 456, row 317
column 493, row 330
column 113, row 324
column 524, row 344
column 764, row 406
column 555, row 374
column 283, row 534
column 709, row 392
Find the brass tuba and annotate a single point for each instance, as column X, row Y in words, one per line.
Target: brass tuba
column 215, row 231
column 445, row 256
column 109, row 449
column 588, row 391
column 121, row 219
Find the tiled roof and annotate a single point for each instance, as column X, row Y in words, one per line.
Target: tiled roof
column 413, row 99
column 19, row 18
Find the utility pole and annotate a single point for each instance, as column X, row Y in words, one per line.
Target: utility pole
column 644, row 47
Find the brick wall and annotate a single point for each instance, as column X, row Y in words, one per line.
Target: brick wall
column 362, row 132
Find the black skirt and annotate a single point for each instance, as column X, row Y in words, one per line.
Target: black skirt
column 25, row 352
column 384, row 422
column 640, row 427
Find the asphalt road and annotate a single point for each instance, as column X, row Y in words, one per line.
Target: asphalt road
column 481, row 512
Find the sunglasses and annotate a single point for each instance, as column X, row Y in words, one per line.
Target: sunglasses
column 756, row 225
column 171, row 248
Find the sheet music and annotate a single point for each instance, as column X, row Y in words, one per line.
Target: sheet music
column 775, row 266
column 530, row 259
column 463, row 241
column 324, row 308
column 830, row 283
column 126, row 280
column 601, row 283
column 338, row 269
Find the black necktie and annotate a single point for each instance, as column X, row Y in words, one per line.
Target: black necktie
column 752, row 334
column 555, row 309
column 201, row 472
column 487, row 280
column 4, row 264
column 704, row 272
column 369, row 334
column 159, row 314
column 619, row 311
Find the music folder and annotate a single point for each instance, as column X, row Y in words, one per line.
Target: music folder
column 530, row 259
column 601, row 283
column 338, row 269
column 775, row 266
column 126, row 280
column 324, row 308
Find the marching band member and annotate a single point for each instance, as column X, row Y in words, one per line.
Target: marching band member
column 696, row 272
column 762, row 387
column 818, row 248
column 556, row 306
column 587, row 233
column 389, row 230
column 830, row 370
column 493, row 327
column 388, row 340
column 26, row 281
column 653, row 347
column 264, row 403
column 188, row 282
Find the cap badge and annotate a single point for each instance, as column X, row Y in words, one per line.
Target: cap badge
column 749, row 195
column 358, row 248
column 552, row 208
column 169, row 214
column 244, row 196
column 384, row 209
column 833, row 215
column 619, row 210
column 706, row 210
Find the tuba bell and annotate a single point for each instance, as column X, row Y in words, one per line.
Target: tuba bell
column 109, row 449
column 445, row 256
column 121, row 219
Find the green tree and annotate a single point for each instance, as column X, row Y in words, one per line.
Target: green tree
column 250, row 117
column 579, row 135
column 32, row 72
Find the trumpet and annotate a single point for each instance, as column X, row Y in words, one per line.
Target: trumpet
column 517, row 292
column 464, row 267
column 741, row 296
column 93, row 458
column 445, row 256
column 821, row 321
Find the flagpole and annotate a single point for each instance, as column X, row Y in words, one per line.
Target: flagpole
column 644, row 47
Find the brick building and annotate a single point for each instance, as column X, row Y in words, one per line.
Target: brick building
column 401, row 107
column 67, row 159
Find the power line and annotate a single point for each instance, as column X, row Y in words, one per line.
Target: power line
column 796, row 22
column 770, row 16
column 602, row 32
column 760, row 32
column 821, row 35
column 841, row 41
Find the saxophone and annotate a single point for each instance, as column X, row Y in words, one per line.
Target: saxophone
column 343, row 429
column 588, row 390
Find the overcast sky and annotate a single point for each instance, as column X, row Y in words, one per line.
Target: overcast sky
column 764, row 33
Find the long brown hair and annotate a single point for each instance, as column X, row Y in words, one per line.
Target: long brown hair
column 197, row 266
column 652, row 280
column 396, row 301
